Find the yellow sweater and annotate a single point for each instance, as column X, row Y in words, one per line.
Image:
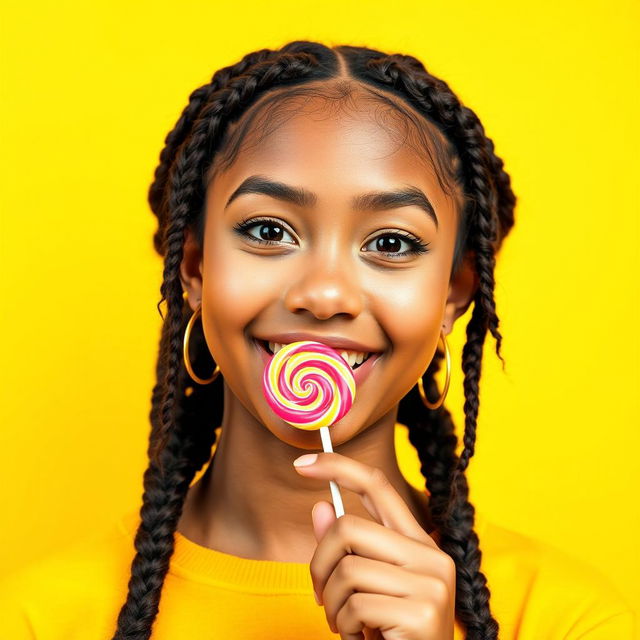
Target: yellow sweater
column 537, row 593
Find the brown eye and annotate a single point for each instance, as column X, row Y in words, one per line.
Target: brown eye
column 271, row 232
column 396, row 245
column 264, row 231
column 388, row 244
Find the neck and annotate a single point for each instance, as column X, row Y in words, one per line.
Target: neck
column 251, row 502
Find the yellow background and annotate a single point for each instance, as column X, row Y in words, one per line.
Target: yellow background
column 89, row 91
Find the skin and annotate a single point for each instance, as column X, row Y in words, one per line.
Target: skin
column 253, row 502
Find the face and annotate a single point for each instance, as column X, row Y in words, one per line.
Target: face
column 329, row 265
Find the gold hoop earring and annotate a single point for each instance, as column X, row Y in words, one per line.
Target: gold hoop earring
column 185, row 350
column 438, row 403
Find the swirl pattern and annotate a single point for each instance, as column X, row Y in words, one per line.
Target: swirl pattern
column 309, row 385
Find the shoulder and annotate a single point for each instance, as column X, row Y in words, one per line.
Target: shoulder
column 543, row 591
column 85, row 580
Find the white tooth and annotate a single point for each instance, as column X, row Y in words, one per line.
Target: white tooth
column 353, row 357
column 277, row 348
column 271, row 345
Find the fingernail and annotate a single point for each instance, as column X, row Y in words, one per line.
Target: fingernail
column 305, row 460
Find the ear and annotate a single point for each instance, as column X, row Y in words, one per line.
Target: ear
column 191, row 268
column 462, row 288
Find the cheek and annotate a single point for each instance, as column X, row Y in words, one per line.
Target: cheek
column 235, row 292
column 235, row 286
column 410, row 308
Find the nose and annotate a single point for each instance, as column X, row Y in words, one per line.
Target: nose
column 326, row 286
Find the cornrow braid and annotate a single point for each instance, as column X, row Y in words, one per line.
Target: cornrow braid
column 182, row 434
column 172, row 467
column 258, row 61
column 489, row 215
column 185, row 176
column 177, row 135
column 434, row 98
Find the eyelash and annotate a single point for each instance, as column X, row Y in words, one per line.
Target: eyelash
column 417, row 246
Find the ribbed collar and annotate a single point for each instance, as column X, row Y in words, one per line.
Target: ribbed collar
column 201, row 564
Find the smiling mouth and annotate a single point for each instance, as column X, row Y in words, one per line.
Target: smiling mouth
column 355, row 359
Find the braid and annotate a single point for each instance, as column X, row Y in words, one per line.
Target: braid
column 301, row 58
column 432, row 433
column 179, row 445
column 182, row 423
column 167, row 478
column 486, row 219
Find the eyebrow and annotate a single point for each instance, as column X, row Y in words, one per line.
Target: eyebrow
column 408, row 197
column 371, row 201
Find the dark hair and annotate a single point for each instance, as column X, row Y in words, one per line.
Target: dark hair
column 181, row 416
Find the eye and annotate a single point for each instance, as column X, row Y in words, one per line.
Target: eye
column 264, row 231
column 397, row 244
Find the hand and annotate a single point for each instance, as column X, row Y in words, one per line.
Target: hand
column 385, row 579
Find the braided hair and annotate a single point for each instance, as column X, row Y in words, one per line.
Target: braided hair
column 181, row 437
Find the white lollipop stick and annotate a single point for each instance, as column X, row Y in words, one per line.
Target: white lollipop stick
column 335, row 491
column 310, row 362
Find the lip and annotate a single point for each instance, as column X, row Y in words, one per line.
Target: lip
column 360, row 374
column 336, row 342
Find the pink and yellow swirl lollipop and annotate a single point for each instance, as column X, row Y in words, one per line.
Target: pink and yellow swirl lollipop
column 310, row 386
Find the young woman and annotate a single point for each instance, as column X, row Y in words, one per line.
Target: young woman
column 346, row 196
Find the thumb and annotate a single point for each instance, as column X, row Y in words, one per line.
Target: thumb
column 323, row 516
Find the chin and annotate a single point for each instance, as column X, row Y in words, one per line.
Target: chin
column 341, row 432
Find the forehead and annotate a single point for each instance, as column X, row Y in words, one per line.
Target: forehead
column 342, row 142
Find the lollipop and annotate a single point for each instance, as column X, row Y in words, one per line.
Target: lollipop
column 310, row 386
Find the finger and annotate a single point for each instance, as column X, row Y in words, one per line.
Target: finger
column 395, row 617
column 355, row 574
column 322, row 516
column 378, row 495
column 355, row 535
